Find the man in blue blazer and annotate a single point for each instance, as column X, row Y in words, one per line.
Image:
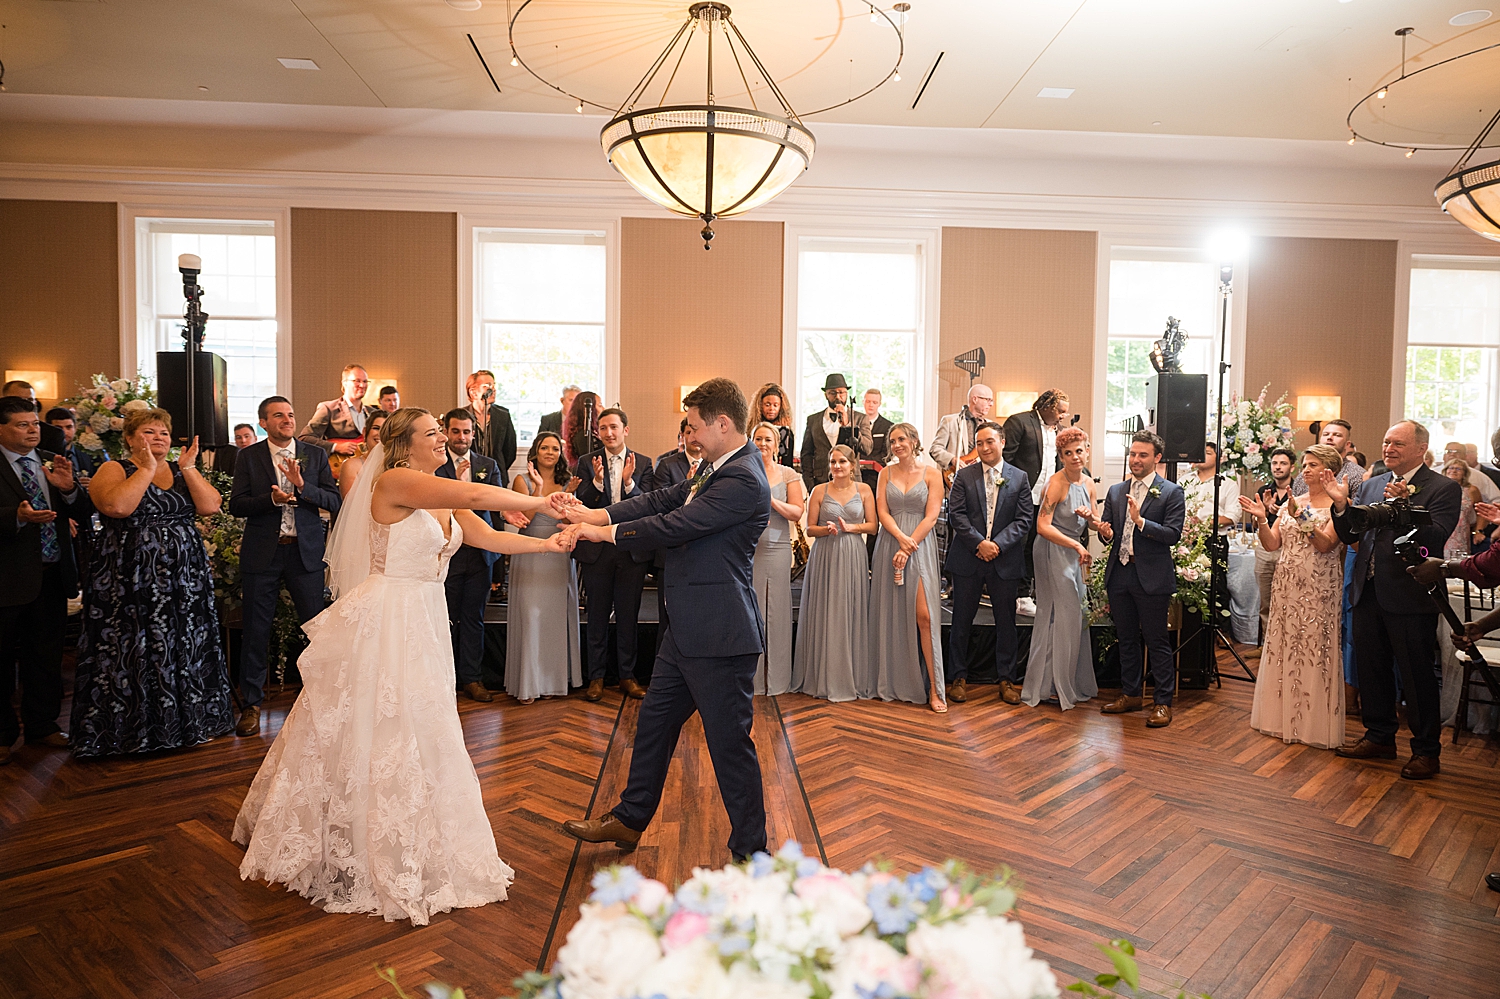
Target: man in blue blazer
column 280, row 485
column 612, row 578
column 989, row 514
column 1142, row 520
column 708, row 526
column 469, row 571
column 1395, row 620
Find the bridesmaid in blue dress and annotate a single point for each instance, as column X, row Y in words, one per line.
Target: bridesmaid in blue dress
column 907, row 662
column 833, row 628
column 1061, row 663
column 151, row 671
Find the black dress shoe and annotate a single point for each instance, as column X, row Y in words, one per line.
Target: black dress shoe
column 1492, row 881
column 740, row 858
column 1364, row 749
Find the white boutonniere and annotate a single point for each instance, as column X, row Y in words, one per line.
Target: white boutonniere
column 700, row 481
column 1412, row 489
column 1154, row 492
column 482, row 474
column 47, row 463
column 1000, row 482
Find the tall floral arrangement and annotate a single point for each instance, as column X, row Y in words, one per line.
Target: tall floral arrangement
column 101, row 410
column 1252, row 430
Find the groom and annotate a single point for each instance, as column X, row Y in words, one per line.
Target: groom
column 708, row 527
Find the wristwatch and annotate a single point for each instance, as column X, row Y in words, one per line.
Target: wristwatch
column 1453, row 568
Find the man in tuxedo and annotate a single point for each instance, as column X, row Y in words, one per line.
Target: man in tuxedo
column 469, row 571
column 1142, row 520
column 52, row 437
column 38, row 494
column 678, row 465
column 709, row 526
column 990, row 514
column 837, row 424
column 612, row 577
column 279, row 486
column 1395, row 622
column 338, row 425
column 552, row 422
column 954, row 439
column 1031, row 445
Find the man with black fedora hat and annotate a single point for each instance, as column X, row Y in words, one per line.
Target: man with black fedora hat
column 837, row 424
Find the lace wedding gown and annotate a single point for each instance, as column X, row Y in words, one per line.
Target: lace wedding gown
column 367, row 800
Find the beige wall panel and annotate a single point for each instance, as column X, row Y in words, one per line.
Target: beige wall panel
column 59, row 290
column 375, row 288
column 1027, row 297
column 1320, row 320
column 687, row 316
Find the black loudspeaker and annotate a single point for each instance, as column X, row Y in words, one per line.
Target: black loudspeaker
column 1179, row 413
column 210, row 389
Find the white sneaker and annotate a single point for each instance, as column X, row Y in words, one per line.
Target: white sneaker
column 1026, row 607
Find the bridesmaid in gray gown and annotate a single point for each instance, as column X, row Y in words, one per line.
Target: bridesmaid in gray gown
column 907, row 663
column 773, row 565
column 1061, row 663
column 541, row 632
column 833, row 629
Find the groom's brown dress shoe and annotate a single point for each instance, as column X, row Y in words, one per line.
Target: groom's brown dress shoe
column 1160, row 716
column 595, row 691
column 632, row 689
column 249, row 723
column 603, row 830
column 1009, row 692
column 476, row 691
column 958, row 691
column 1421, row 768
column 1364, row 749
column 1120, row 705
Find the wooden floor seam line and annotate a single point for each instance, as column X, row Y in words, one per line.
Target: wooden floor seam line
column 812, row 817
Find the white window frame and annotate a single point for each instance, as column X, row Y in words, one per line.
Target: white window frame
column 1422, row 259
column 1111, row 243
column 921, row 390
column 470, row 324
column 132, row 248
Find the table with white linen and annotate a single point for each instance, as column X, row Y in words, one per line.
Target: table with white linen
column 1244, row 596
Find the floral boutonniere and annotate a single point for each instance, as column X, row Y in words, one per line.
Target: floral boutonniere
column 1154, row 492
column 482, row 474
column 1412, row 489
column 700, row 481
column 1000, row 482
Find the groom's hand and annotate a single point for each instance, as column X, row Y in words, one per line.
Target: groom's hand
column 592, row 532
column 581, row 514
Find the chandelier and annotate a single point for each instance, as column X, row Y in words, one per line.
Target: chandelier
column 1471, row 194
column 709, row 160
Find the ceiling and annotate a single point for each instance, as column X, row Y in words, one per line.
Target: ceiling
column 1267, row 68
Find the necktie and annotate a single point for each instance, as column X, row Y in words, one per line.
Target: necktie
column 991, row 494
column 1127, row 543
column 38, row 496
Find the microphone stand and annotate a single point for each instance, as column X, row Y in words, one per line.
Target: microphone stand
column 1218, row 544
column 195, row 322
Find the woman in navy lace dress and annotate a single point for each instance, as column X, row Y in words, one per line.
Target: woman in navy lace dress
column 150, row 666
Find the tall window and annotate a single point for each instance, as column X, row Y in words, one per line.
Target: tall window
column 1145, row 287
column 1452, row 339
column 859, row 314
column 239, row 295
column 540, row 312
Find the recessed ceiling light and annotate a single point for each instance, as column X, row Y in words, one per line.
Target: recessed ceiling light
column 1469, row 17
column 299, row 64
column 1157, row 123
column 202, row 88
column 1060, row 93
column 465, row 4
column 1380, row 94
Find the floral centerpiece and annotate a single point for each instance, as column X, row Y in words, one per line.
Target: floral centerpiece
column 101, row 410
column 1252, row 430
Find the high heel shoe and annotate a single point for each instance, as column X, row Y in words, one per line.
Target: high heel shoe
column 940, row 707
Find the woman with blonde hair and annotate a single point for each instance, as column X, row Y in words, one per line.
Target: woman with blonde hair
column 1462, row 539
column 1299, row 691
column 772, row 406
column 907, row 664
column 773, row 565
column 151, row 671
column 368, row 801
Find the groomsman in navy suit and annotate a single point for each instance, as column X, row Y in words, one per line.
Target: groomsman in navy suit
column 280, row 486
column 1143, row 517
column 470, row 569
column 709, row 526
column 989, row 514
column 612, row 578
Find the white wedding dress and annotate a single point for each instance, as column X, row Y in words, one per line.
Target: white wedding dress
column 367, row 800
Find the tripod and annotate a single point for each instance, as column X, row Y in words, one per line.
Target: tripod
column 1218, row 544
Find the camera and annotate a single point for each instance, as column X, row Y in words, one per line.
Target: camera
column 1396, row 515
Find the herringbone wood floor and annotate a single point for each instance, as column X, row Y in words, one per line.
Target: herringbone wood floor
column 1239, row 866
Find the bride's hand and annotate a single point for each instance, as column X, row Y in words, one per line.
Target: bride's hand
column 561, row 503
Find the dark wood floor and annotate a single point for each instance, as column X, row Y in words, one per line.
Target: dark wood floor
column 1239, row 866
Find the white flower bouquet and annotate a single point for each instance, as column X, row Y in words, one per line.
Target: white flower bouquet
column 1252, row 430
column 101, row 410
column 786, row 927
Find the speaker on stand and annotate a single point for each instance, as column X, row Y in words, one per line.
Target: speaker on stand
column 209, row 417
column 1178, row 404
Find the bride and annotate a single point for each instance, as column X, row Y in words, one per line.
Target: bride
column 368, row 801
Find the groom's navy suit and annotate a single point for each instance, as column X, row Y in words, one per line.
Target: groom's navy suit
column 707, row 659
column 1140, row 591
column 1014, row 516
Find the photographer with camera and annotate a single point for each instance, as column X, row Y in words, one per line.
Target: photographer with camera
column 1481, row 570
column 1395, row 621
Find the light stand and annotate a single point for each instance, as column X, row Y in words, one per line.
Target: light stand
column 1219, row 544
column 195, row 321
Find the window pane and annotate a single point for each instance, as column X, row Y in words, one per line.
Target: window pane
column 1453, row 332
column 541, row 314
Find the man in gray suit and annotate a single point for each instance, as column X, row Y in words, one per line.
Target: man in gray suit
column 838, row 424
column 338, row 425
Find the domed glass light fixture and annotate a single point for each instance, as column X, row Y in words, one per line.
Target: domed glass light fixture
column 709, row 160
column 1471, row 193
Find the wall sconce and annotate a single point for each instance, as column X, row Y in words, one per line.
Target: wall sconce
column 43, row 382
column 686, row 391
column 1316, row 410
column 378, row 382
column 1007, row 403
